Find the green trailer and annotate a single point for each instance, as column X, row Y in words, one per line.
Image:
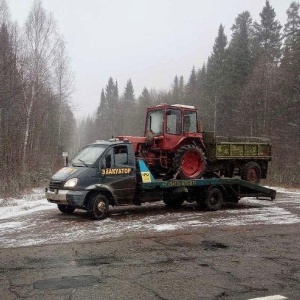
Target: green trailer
column 247, row 157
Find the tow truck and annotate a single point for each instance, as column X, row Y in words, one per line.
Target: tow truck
column 107, row 173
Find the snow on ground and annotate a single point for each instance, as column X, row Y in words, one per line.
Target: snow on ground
column 28, row 204
column 34, row 228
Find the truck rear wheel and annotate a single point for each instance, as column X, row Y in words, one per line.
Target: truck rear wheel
column 99, row 207
column 66, row 209
column 190, row 161
column 213, row 199
column 251, row 172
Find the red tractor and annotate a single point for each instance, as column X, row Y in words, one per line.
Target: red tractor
column 173, row 142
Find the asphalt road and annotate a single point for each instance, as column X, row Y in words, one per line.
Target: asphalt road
column 243, row 251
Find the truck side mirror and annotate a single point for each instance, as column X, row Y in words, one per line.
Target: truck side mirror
column 65, row 158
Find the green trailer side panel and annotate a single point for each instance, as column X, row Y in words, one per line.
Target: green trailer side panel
column 234, row 150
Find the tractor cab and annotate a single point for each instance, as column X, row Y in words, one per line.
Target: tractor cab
column 170, row 125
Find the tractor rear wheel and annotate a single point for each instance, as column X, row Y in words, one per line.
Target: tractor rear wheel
column 190, row 161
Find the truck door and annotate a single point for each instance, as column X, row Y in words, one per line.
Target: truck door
column 118, row 170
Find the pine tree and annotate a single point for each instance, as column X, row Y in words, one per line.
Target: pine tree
column 268, row 34
column 291, row 55
column 240, row 58
column 129, row 111
column 292, row 27
column 102, row 118
column 11, row 114
column 216, row 64
column 217, row 84
column 239, row 68
column 206, row 108
column 129, row 97
column 145, row 99
column 175, row 92
column 111, row 94
column 191, row 90
column 181, row 89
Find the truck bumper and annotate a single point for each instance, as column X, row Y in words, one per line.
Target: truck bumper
column 66, row 197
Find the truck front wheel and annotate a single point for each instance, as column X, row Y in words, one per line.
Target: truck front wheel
column 99, row 207
column 190, row 162
column 251, row 172
column 66, row 209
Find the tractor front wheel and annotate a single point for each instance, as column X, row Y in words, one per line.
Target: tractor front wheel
column 189, row 162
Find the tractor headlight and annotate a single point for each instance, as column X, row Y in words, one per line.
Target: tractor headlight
column 71, row 182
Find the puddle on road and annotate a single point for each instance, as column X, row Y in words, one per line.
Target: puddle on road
column 66, row 282
column 45, row 263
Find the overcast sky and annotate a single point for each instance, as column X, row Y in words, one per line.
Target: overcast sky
column 147, row 41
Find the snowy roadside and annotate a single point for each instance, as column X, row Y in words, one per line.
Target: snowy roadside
column 13, row 207
column 38, row 228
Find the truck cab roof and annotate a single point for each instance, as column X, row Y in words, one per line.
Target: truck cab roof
column 114, row 141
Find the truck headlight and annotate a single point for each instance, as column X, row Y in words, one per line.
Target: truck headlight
column 71, row 182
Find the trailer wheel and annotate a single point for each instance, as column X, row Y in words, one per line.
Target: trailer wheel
column 66, row 209
column 190, row 161
column 99, row 206
column 251, row 172
column 213, row 199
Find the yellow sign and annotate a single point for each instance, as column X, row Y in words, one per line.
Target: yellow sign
column 115, row 171
column 146, row 177
column 67, row 170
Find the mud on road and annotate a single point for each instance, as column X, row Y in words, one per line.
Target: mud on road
column 252, row 258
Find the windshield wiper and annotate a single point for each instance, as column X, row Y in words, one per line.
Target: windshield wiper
column 82, row 162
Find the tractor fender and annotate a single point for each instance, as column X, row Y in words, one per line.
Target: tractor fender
column 191, row 141
column 107, row 190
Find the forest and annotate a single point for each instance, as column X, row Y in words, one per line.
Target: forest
column 249, row 86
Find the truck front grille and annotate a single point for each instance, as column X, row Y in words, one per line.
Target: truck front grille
column 55, row 184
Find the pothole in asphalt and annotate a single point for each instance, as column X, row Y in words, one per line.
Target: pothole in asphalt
column 66, row 282
column 212, row 245
column 96, row 261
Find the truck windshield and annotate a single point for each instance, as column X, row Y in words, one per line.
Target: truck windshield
column 155, row 122
column 88, row 155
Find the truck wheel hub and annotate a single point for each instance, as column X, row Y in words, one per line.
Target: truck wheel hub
column 101, row 206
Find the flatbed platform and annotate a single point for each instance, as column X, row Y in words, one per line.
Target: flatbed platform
column 231, row 188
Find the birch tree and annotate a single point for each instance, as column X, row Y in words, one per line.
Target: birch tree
column 39, row 45
column 63, row 83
